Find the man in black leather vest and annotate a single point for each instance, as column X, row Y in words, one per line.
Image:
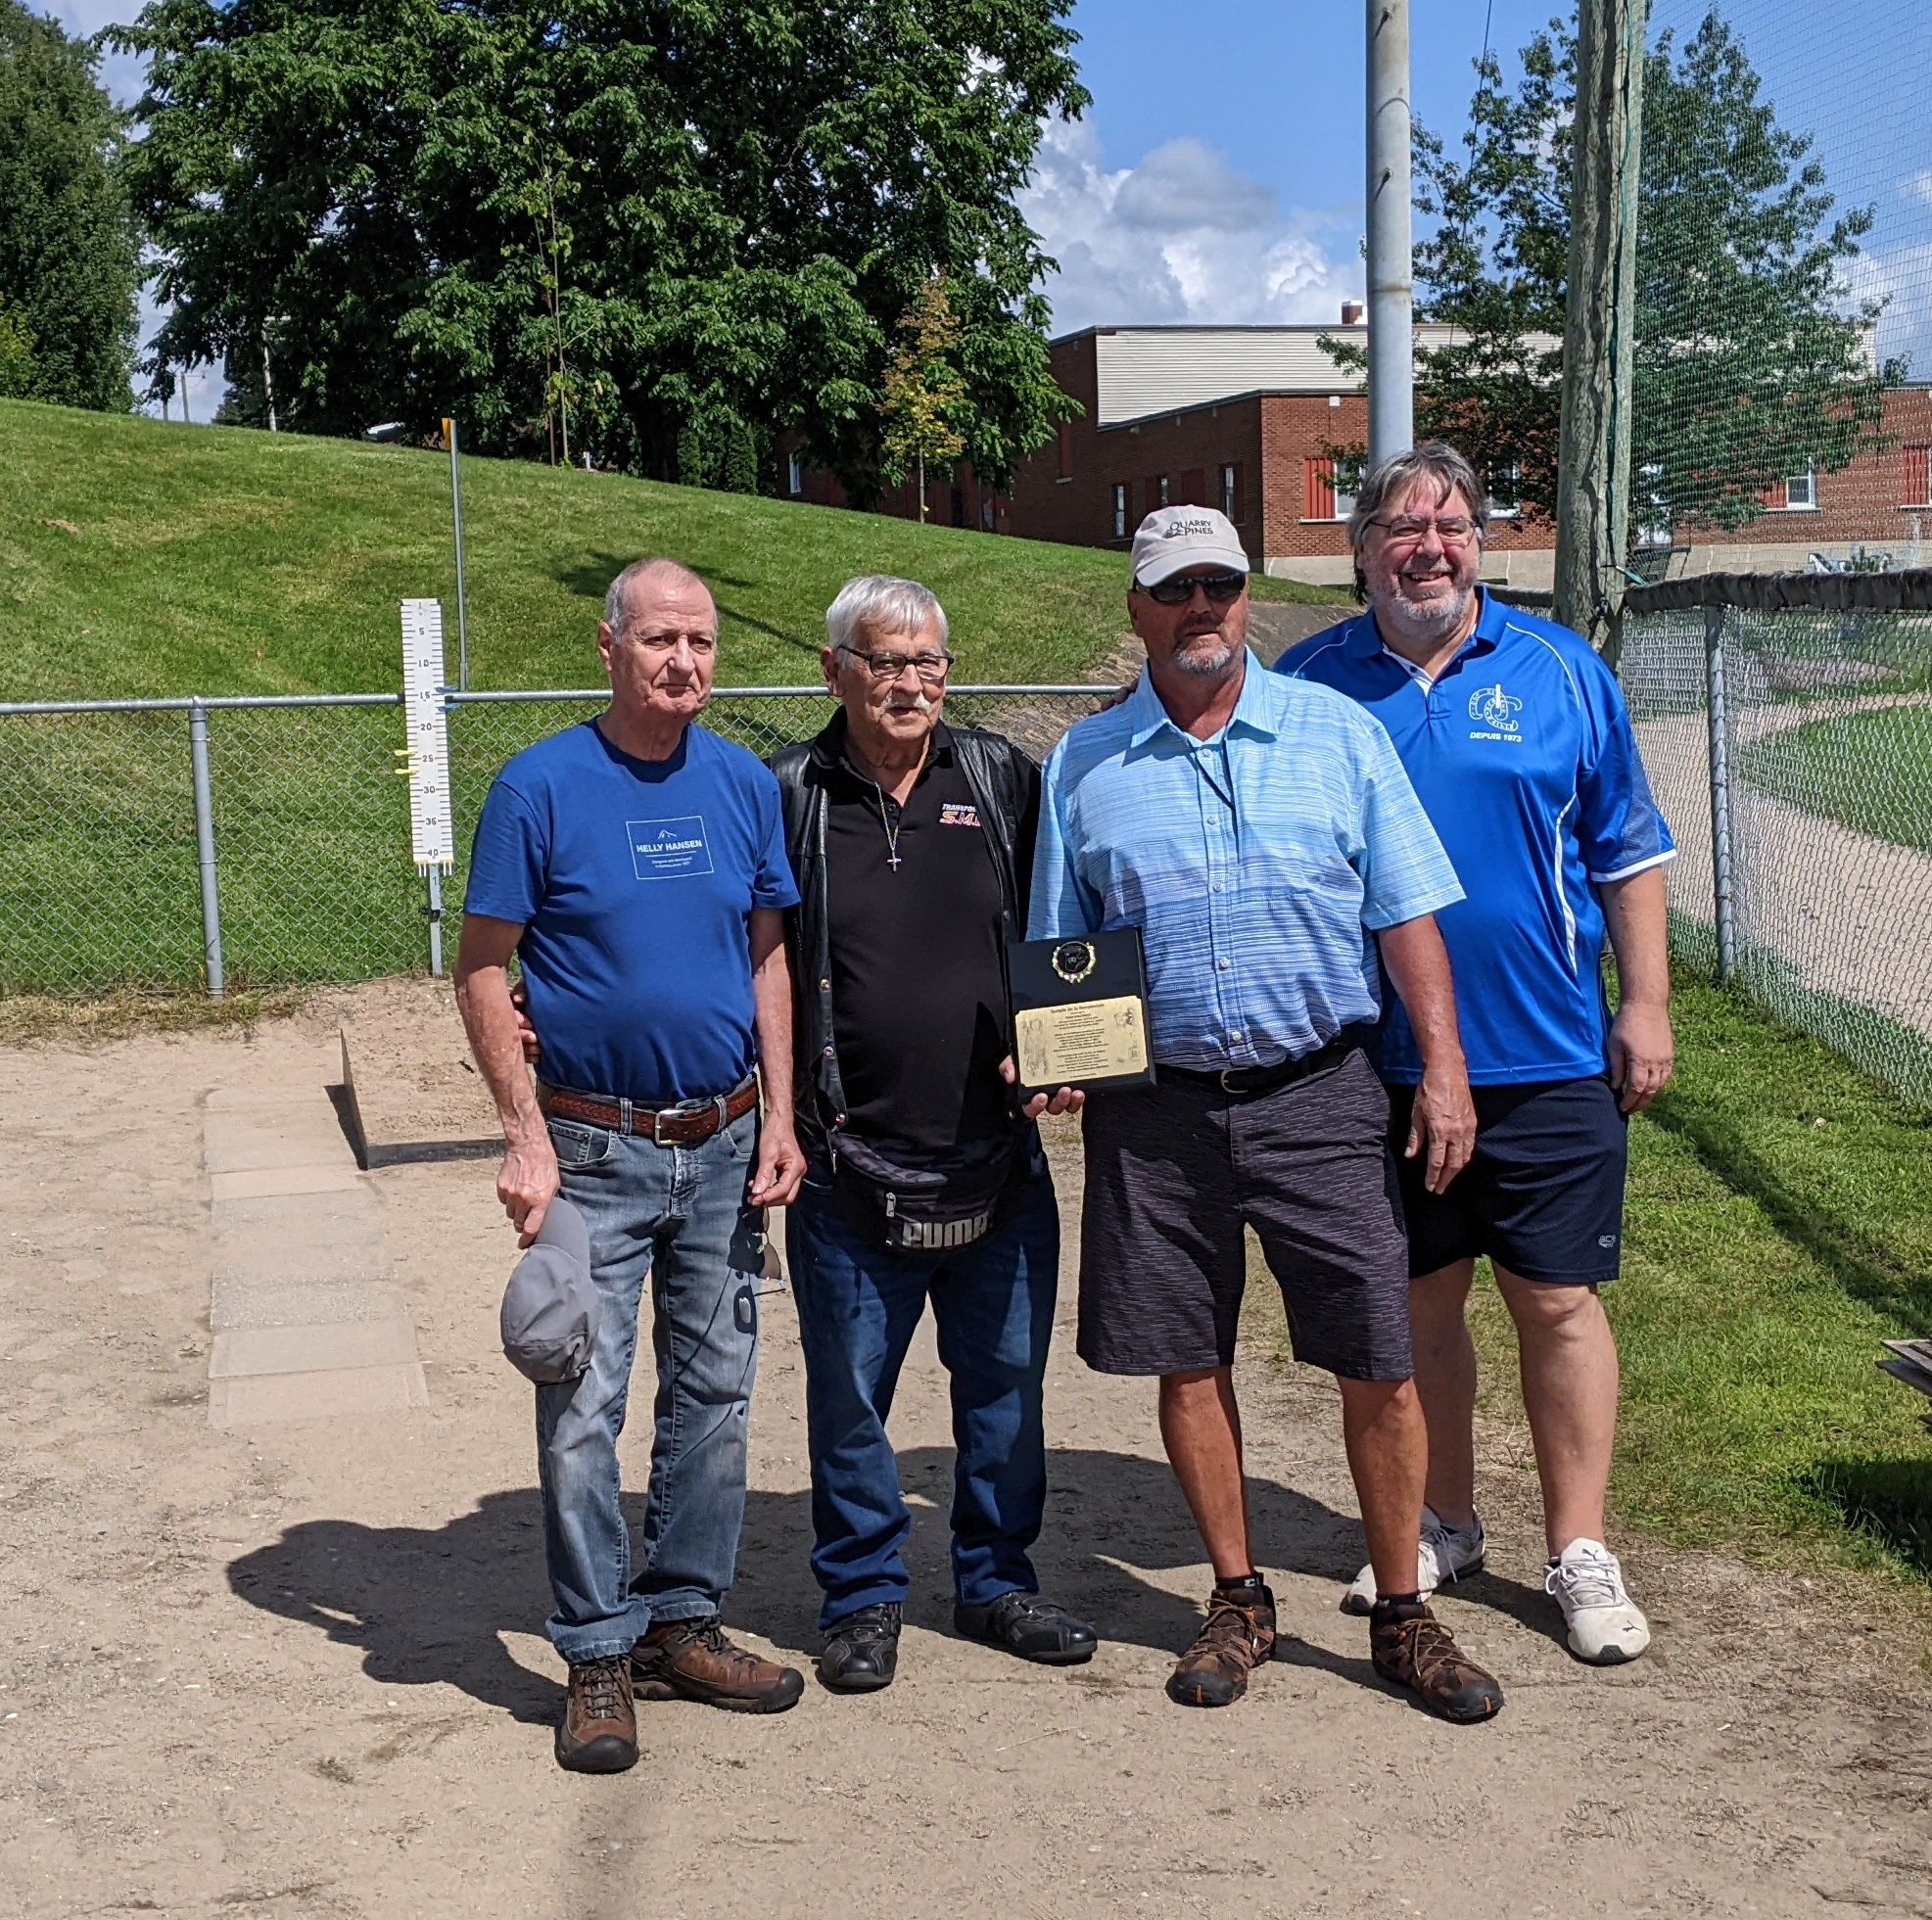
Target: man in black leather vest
column 911, row 843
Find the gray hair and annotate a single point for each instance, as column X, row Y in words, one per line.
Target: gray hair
column 879, row 604
column 1434, row 459
column 617, row 601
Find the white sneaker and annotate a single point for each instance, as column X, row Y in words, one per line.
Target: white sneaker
column 1447, row 1552
column 1606, row 1626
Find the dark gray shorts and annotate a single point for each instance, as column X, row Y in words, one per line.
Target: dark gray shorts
column 1175, row 1171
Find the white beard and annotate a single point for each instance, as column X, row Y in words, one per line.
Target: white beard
column 1191, row 658
column 1431, row 621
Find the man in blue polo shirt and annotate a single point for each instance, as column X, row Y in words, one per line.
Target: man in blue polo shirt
column 635, row 865
column 1516, row 739
column 1262, row 836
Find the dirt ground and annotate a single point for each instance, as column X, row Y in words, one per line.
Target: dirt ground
column 300, row 1669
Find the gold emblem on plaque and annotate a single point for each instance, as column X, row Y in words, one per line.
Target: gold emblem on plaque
column 1074, row 960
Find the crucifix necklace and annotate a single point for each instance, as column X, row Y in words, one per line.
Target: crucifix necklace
column 891, row 832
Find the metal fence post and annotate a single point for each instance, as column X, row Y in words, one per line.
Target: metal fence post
column 435, row 923
column 205, row 849
column 1720, row 841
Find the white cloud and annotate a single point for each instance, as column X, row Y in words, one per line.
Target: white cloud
column 1918, row 186
column 1181, row 237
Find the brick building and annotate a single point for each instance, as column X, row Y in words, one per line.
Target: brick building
column 1246, row 419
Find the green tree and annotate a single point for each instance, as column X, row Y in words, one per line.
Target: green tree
column 1750, row 362
column 657, row 216
column 20, row 371
column 70, row 256
column 924, row 392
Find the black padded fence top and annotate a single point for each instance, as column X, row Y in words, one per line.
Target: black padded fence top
column 1906, row 591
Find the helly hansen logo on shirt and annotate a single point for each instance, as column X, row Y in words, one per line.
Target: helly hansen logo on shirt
column 668, row 849
column 958, row 813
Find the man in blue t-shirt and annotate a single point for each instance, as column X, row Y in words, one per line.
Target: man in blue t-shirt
column 1516, row 739
column 635, row 866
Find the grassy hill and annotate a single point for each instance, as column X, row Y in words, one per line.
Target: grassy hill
column 138, row 558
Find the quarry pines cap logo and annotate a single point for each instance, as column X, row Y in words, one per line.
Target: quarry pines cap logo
column 1173, row 539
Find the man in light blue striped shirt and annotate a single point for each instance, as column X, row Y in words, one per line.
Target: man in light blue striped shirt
column 1263, row 838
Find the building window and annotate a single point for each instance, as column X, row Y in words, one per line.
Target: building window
column 1162, row 485
column 1120, row 509
column 1506, row 491
column 1918, row 476
column 1798, row 494
column 1065, row 450
column 797, row 476
column 1232, row 504
column 1327, row 494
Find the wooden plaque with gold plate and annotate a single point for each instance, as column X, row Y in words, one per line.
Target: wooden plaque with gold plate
column 1079, row 1012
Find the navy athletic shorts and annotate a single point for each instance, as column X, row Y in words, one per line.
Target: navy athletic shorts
column 1543, row 1194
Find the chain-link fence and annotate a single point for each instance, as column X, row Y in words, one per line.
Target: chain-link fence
column 300, row 852
column 1791, row 750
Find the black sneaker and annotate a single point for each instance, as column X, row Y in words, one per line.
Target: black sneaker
column 1034, row 1628
column 862, row 1651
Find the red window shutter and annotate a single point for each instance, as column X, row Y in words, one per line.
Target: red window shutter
column 1240, row 514
column 1065, row 450
column 1775, row 497
column 1918, row 476
column 1318, row 488
column 1194, row 488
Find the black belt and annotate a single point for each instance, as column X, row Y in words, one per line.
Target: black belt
column 1283, row 1073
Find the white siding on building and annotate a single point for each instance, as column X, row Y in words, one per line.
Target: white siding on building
column 1147, row 370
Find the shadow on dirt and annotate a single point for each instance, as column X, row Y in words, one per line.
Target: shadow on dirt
column 430, row 1605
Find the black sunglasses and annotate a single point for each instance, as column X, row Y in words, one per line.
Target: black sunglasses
column 1220, row 588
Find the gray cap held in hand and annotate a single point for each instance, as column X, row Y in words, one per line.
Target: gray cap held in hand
column 551, row 1307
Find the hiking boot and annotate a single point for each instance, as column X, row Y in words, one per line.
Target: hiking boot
column 861, row 1652
column 1446, row 1552
column 1412, row 1649
column 1034, row 1628
column 1239, row 1636
column 691, row 1660
column 1606, row 1625
column 598, row 1732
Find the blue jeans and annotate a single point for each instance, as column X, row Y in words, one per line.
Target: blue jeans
column 673, row 1216
column 858, row 1309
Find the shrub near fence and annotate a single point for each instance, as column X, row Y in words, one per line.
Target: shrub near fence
column 309, row 820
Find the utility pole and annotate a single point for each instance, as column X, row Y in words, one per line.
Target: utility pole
column 1390, row 261
column 1599, row 333
column 456, row 512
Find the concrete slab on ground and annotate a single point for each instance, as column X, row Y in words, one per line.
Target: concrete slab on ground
column 306, row 1323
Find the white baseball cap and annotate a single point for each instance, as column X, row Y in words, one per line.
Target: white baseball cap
column 1172, row 539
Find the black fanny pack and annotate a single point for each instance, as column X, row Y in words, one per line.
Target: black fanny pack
column 922, row 1209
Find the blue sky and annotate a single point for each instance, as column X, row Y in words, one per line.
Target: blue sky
column 1218, row 175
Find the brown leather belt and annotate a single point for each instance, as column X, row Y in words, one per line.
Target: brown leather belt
column 682, row 1125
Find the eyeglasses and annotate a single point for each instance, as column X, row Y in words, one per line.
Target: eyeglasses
column 932, row 668
column 1406, row 528
column 1220, row 588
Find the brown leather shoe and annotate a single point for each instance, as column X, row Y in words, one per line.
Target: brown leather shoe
column 598, row 1732
column 1412, row 1649
column 1239, row 1635
column 691, row 1660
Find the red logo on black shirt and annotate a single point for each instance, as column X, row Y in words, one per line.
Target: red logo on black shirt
column 956, row 812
